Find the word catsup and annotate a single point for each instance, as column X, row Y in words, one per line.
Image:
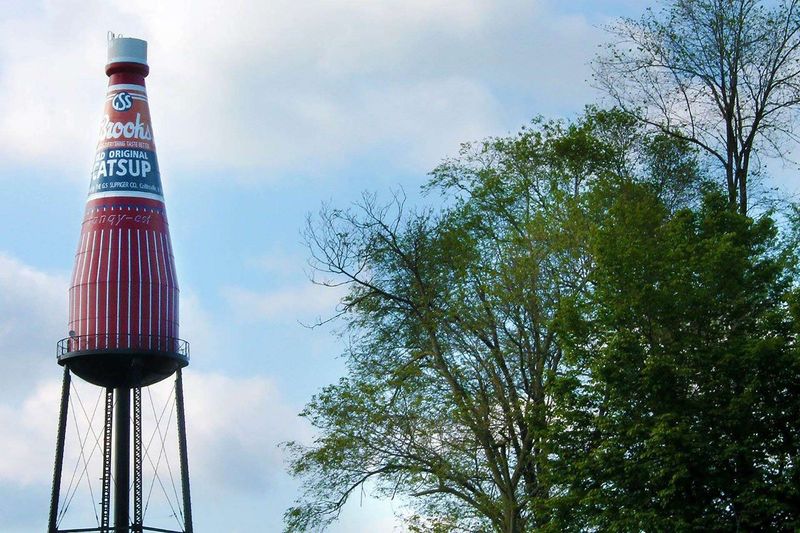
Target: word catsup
column 127, row 130
column 121, row 168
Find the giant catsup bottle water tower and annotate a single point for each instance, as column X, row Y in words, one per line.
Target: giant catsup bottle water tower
column 123, row 298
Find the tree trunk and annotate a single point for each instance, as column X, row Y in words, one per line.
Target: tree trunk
column 742, row 175
column 730, row 174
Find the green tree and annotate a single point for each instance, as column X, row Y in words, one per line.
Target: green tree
column 723, row 75
column 684, row 413
column 459, row 321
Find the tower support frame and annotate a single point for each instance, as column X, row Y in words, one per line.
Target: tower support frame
column 117, row 451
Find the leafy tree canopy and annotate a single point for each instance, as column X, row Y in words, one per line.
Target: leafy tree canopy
column 586, row 337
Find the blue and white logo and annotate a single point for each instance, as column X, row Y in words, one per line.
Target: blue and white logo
column 122, row 102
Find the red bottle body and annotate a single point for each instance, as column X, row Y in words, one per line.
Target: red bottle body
column 124, row 289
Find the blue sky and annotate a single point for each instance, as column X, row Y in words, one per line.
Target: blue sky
column 261, row 112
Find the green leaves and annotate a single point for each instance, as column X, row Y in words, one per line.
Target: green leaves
column 586, row 337
column 690, row 315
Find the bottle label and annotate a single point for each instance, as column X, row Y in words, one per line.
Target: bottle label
column 125, row 162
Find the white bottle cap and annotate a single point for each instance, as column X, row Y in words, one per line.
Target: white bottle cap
column 126, row 50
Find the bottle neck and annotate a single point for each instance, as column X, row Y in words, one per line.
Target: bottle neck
column 126, row 73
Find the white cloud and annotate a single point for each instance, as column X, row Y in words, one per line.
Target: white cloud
column 304, row 303
column 29, row 435
column 365, row 513
column 278, row 264
column 49, row 102
column 235, row 426
column 33, row 317
column 259, row 88
column 199, row 327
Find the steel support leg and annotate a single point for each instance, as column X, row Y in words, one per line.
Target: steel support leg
column 181, row 414
column 122, row 460
column 59, row 463
column 138, row 513
column 105, row 501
